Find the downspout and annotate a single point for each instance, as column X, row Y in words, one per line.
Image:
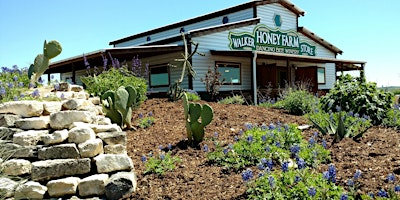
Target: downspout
column 254, row 65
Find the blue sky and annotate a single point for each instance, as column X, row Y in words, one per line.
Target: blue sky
column 364, row 30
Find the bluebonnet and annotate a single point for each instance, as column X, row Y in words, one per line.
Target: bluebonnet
column 226, row 151
column 162, row 156
column 270, row 163
column 311, row 141
column 35, row 93
column 62, row 96
column 271, row 181
column 264, row 160
column 371, row 195
column 350, row 113
column 10, row 85
column 285, row 166
column 271, row 126
column 390, row 178
column 338, row 109
column 260, row 175
column 267, row 149
column 295, row 149
column 169, row 146
column 357, row 175
column 278, row 144
column 382, row 193
column 286, row 127
column 261, row 166
column 150, row 114
column 143, row 158
column 397, row 188
column 350, row 182
column 312, row 191
column 357, row 115
column 230, row 146
column 332, row 173
column 31, row 85
column 247, row 175
column 330, row 104
column 140, row 115
column 15, row 78
column 324, row 143
column 160, row 147
column 344, row 197
column 325, row 174
column 22, row 95
column 205, row 148
column 20, row 84
column 250, row 139
column 263, row 127
column 235, row 138
column 2, row 91
column 240, row 132
column 301, row 164
column 216, row 134
column 248, row 126
column 297, row 179
column 15, row 98
column 264, row 138
column 315, row 134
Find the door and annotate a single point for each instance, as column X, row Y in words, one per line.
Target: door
column 307, row 76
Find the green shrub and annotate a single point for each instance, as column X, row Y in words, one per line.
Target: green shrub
column 192, row 95
column 235, row 99
column 112, row 79
column 393, row 117
column 13, row 83
column 297, row 102
column 359, row 96
column 164, row 162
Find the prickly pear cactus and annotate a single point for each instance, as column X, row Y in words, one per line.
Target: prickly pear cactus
column 194, row 112
column 118, row 105
column 42, row 61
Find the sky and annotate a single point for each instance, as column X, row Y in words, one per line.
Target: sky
column 363, row 30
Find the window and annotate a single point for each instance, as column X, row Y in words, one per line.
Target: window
column 230, row 72
column 321, row 75
column 159, row 76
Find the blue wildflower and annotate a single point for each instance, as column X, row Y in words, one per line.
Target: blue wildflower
column 270, row 163
column 397, row 188
column 350, row 182
column 240, row 132
column 248, row 126
column 330, row 104
column 169, row 146
column 15, row 78
column 35, row 93
column 160, row 147
column 297, row 179
column 261, row 166
column 235, row 138
column 230, row 146
column 143, row 158
column 271, row 181
column 312, row 191
column 357, row 175
column 267, row 149
column 150, row 114
column 338, row 108
column 263, row 127
column 2, row 91
column 325, row 174
column 315, row 134
column 15, row 98
column 62, row 96
column 344, row 197
column 332, row 173
column 324, row 143
column 278, row 144
column 390, row 178
column 22, row 95
column 10, row 85
column 301, row 164
column 357, row 115
column 140, row 115
column 285, row 166
column 264, row 161
column 162, row 156
column 225, row 151
column 216, row 134
column 295, row 149
column 205, row 148
column 250, row 139
column 271, row 126
column 382, row 193
column 311, row 142
column 247, row 175
column 286, row 127
column 371, row 195
column 20, row 84
column 264, row 138
column 260, row 175
column 350, row 113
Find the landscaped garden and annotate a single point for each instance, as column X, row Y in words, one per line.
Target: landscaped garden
column 185, row 148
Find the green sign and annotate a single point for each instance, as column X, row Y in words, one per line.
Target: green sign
column 272, row 40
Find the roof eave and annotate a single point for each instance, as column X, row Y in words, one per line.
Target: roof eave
column 319, row 40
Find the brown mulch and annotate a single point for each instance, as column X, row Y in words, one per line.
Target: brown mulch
column 377, row 154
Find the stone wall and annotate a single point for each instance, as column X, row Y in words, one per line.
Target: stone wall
column 63, row 149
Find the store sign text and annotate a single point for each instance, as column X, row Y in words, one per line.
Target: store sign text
column 266, row 39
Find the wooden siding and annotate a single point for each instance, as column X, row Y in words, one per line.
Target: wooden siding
column 268, row 11
column 233, row 17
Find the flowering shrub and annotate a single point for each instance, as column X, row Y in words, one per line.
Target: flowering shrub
column 145, row 122
column 273, row 144
column 159, row 165
column 359, row 96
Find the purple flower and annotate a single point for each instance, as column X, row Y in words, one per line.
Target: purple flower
column 20, row 84
column 315, row 134
column 357, row 175
column 225, row 151
column 235, row 138
column 338, row 109
column 297, row 179
column 15, row 98
column 270, row 164
column 15, row 78
column 160, row 147
column 247, row 175
column 332, row 173
column 350, row 113
column 264, row 138
column 162, row 156
column 267, row 149
column 286, row 127
column 285, row 166
column 271, row 181
column 325, row 174
column 357, row 115
column 216, row 134
column 382, row 193
column 350, row 182
column 169, row 146
column 390, row 178
column 312, row 191
column 205, row 148
column 10, row 85
column 311, row 142
column 143, row 158
column 397, row 188
column 271, row 126
column 140, row 115
column 261, row 166
column 295, row 149
column 57, row 87
column 240, row 132
column 150, row 114
column 2, row 91
column 35, row 93
column 324, row 143
column 263, row 127
column 344, row 197
column 278, row 144
column 248, row 126
column 250, row 139
column 301, row 164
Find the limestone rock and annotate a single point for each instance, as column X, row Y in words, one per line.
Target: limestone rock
column 120, row 184
column 107, row 128
column 115, row 149
column 62, row 187
column 7, row 120
column 51, row 107
column 64, row 87
column 18, row 151
column 22, row 108
column 91, row 148
column 62, row 151
column 16, row 167
column 75, row 104
column 81, row 95
column 65, row 95
column 102, row 120
column 29, row 138
column 113, row 162
column 7, row 187
column 30, row 190
column 55, row 138
column 95, row 100
column 64, row 119
column 76, row 88
column 93, row 185
column 48, row 169
column 36, row 123
column 81, row 134
column 112, row 138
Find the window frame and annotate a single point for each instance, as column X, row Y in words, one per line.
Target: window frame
column 168, row 72
column 239, row 65
column 324, row 81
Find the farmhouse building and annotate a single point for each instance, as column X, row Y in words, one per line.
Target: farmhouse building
column 256, row 45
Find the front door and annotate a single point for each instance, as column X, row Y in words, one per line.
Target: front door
column 307, row 76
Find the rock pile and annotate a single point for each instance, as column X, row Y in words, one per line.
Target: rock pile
column 63, row 149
